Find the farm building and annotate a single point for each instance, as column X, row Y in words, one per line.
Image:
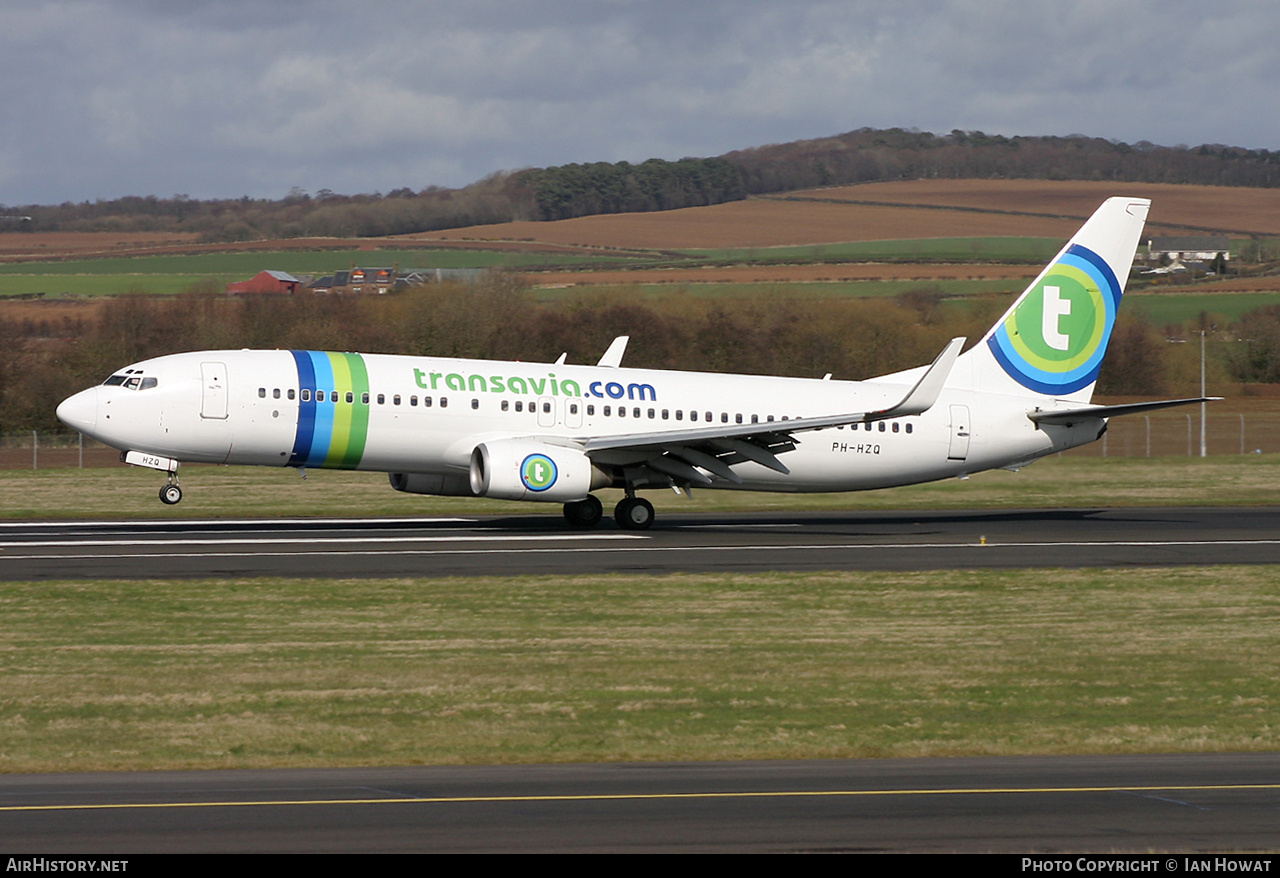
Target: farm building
column 267, row 282
column 1189, row 248
column 381, row 280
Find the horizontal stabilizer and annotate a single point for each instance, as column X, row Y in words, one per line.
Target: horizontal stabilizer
column 1074, row 416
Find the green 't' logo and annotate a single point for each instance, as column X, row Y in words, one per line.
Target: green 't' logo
column 538, row 472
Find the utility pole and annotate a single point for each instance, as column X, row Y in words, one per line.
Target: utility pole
column 1203, row 406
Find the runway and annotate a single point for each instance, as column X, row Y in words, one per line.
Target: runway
column 1046, row 805
column 689, row 542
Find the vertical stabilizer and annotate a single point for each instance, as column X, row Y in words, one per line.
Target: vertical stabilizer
column 1051, row 342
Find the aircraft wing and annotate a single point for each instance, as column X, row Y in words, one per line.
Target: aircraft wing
column 1068, row 417
column 676, row 453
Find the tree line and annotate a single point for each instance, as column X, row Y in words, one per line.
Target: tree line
column 503, row 319
column 865, row 155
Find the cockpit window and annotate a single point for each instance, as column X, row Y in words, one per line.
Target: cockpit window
column 132, row 382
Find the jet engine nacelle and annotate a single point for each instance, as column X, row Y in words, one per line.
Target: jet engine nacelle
column 437, row 484
column 525, row 469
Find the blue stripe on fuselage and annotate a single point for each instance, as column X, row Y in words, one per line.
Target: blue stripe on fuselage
column 306, row 409
column 323, row 432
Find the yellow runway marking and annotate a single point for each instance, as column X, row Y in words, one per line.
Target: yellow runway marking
column 623, row 797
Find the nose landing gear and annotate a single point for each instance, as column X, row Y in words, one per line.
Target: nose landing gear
column 171, row 494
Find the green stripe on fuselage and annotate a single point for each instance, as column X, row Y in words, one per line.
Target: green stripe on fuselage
column 350, row 419
column 359, row 412
column 341, row 411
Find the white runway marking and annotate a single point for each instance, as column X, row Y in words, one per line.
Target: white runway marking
column 989, row 546
column 319, row 538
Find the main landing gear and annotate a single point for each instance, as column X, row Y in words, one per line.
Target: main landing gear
column 585, row 513
column 631, row 513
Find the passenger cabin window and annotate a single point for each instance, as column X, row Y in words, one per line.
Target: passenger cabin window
column 262, row 391
column 306, row 395
column 275, row 393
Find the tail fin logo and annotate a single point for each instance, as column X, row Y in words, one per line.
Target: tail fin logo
column 1053, row 341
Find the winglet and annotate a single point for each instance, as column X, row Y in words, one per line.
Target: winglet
column 612, row 358
column 922, row 397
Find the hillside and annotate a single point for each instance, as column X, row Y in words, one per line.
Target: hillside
column 574, row 190
column 892, row 211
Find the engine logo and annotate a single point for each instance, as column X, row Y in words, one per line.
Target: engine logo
column 538, row 472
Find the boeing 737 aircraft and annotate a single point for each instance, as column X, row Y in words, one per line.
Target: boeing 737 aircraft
column 555, row 433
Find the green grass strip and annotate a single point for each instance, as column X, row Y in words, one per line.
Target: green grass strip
column 273, row 672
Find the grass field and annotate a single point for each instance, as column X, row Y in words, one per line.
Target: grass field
column 170, row 275
column 1070, row 480
column 959, row 249
column 1163, row 308
column 224, row 673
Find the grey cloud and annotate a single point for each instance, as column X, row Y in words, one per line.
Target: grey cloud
column 101, row 99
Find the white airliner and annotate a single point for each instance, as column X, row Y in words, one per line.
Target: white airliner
column 556, row 432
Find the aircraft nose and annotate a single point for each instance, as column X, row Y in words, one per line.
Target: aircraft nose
column 80, row 412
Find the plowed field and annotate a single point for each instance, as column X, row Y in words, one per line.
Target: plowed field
column 912, row 209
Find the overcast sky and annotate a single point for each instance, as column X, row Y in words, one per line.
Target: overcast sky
column 224, row 98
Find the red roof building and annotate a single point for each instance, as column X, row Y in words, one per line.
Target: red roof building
column 280, row 282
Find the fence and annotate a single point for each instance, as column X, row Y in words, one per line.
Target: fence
column 1176, row 433
column 1169, row 433
column 53, row 450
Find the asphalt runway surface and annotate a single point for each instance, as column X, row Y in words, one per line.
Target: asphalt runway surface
column 746, row 542
column 1046, row 805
